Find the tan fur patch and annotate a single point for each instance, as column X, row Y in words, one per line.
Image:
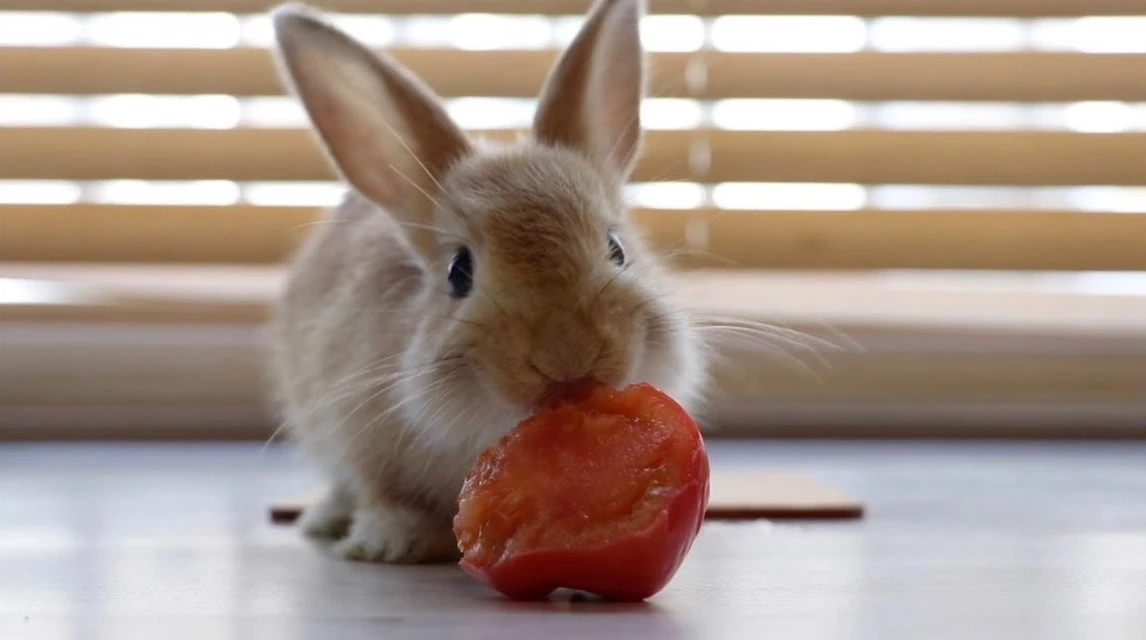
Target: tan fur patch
column 536, row 214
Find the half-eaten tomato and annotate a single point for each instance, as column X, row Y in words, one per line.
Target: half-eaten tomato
column 602, row 492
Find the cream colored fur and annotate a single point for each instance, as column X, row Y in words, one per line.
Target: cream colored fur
column 392, row 386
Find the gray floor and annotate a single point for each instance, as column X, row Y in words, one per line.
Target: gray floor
column 978, row 541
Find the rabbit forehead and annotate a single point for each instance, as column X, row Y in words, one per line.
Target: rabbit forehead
column 537, row 212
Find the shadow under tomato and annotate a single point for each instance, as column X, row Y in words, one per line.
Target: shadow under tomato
column 579, row 601
column 562, row 616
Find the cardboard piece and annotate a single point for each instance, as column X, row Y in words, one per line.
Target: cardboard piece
column 736, row 494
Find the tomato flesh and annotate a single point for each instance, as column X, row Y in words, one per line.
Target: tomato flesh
column 603, row 491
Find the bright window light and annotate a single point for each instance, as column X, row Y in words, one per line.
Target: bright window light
column 565, row 28
column 1109, row 199
column 672, row 33
column 911, row 197
column 789, row 33
column 39, row 192
column 946, row 34
column 131, row 111
column 1100, row 117
column 256, row 31
column 1050, row 34
column 1139, row 117
column 783, row 115
column 426, row 31
column 371, row 30
column 296, row 194
column 194, row 30
column 1109, row 34
column 948, row 115
column 665, row 195
column 33, row 110
column 19, row 28
column 277, row 111
column 194, row 192
column 480, row 31
column 28, row 291
column 1109, row 283
column 789, row 196
column 491, row 113
column 671, row 113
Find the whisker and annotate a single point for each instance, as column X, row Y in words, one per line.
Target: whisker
column 471, row 323
column 426, row 395
column 429, row 227
column 701, row 253
column 748, row 323
column 415, row 184
column 750, row 338
column 413, row 155
column 646, row 302
column 357, row 376
column 492, row 300
column 434, row 397
column 740, row 333
column 381, row 390
column 279, row 429
column 390, row 411
column 608, row 284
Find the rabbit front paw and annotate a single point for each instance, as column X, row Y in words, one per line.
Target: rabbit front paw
column 329, row 517
column 396, row 535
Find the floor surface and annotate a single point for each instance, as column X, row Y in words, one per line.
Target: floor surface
column 1039, row 541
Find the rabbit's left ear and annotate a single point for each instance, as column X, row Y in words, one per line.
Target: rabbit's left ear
column 591, row 101
column 382, row 128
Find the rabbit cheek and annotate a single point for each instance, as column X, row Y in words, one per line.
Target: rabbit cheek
column 674, row 360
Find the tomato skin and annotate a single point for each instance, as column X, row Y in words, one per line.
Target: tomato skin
column 636, row 566
column 633, row 563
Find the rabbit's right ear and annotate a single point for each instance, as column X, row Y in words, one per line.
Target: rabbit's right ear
column 591, row 101
column 383, row 130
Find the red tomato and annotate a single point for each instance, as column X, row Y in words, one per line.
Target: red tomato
column 603, row 493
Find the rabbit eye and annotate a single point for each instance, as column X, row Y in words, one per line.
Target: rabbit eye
column 460, row 273
column 616, row 251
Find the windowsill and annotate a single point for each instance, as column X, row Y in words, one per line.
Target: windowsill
column 88, row 351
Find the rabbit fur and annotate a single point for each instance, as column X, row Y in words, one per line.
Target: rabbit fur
column 387, row 375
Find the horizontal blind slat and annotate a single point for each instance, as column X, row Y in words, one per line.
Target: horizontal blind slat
column 1012, row 158
column 939, row 239
column 1041, row 77
column 867, row 8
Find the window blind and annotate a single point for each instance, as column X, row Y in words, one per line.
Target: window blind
column 147, row 144
column 782, row 134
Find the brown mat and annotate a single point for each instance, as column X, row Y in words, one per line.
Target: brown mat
column 736, row 494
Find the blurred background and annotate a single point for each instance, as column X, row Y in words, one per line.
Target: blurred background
column 951, row 192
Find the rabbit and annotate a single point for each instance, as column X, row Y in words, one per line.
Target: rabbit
column 459, row 282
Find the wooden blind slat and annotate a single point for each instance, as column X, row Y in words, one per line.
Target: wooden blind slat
column 865, row 8
column 1041, row 77
column 1014, row 158
column 941, row 239
column 945, row 239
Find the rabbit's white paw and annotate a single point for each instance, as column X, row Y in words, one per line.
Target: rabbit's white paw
column 398, row 536
column 329, row 517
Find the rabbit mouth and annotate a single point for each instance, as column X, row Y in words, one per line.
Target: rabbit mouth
column 530, row 389
column 557, row 393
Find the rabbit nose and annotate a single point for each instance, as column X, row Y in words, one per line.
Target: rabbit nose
column 567, row 370
column 566, row 348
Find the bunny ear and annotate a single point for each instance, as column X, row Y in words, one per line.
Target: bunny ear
column 592, row 98
column 384, row 131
